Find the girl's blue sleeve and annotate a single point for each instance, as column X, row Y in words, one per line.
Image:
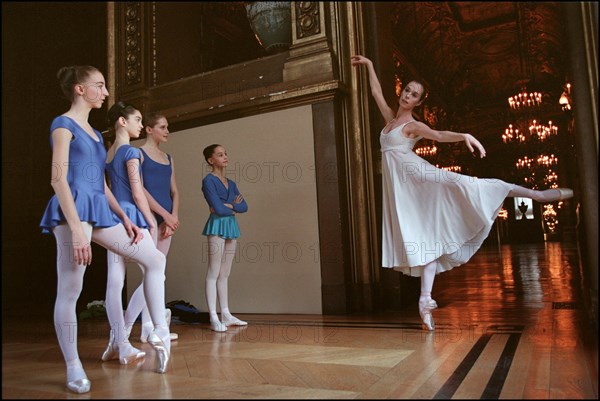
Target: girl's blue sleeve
column 212, row 197
column 241, row 207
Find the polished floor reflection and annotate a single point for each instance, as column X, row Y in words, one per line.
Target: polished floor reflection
column 510, row 324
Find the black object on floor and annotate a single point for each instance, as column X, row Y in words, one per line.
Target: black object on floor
column 187, row 312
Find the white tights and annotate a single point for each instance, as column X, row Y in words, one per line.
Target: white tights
column 137, row 302
column 70, row 283
column 427, row 278
column 220, row 258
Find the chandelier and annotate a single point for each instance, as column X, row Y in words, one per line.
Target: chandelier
column 454, row 168
column 525, row 99
column 541, row 160
column 535, row 131
column 426, row 150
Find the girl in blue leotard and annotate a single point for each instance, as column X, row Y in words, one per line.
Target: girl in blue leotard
column 83, row 209
column 160, row 188
column 224, row 200
column 123, row 167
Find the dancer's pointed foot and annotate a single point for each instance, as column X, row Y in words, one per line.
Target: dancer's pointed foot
column 111, row 351
column 425, row 308
column 163, row 351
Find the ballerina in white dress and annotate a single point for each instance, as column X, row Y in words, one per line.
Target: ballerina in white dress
column 432, row 220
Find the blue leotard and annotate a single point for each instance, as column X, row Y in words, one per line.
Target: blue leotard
column 222, row 221
column 120, row 185
column 85, row 175
column 158, row 182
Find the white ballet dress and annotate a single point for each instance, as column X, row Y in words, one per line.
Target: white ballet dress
column 429, row 213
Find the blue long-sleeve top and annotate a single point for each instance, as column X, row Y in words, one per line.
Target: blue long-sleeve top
column 216, row 195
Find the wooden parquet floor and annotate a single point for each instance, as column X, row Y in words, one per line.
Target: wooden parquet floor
column 511, row 324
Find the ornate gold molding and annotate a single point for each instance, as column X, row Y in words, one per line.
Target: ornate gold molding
column 133, row 43
column 310, row 54
column 360, row 166
column 308, row 18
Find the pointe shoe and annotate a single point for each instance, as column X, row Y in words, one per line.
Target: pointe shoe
column 217, row 326
column 174, row 336
column 425, row 309
column 233, row 321
column 148, row 328
column 154, row 339
column 162, row 353
column 111, row 352
column 79, row 386
column 146, row 331
column 134, row 356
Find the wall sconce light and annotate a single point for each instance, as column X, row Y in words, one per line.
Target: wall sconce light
column 565, row 98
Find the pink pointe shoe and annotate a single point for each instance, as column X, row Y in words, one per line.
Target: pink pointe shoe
column 425, row 309
column 162, row 352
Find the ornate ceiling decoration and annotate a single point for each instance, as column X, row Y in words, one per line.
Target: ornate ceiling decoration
column 469, row 52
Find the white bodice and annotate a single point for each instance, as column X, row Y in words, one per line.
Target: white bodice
column 396, row 140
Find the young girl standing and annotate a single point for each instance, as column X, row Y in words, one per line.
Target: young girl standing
column 160, row 187
column 123, row 166
column 222, row 231
column 83, row 209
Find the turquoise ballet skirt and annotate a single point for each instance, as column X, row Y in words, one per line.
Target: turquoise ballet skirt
column 224, row 226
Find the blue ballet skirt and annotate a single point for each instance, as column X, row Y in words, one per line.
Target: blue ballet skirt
column 223, row 226
column 85, row 175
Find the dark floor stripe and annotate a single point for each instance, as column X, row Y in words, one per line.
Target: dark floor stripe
column 494, row 386
column 451, row 385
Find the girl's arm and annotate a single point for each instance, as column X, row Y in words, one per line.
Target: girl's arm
column 239, row 203
column 61, row 140
column 174, row 193
column 212, row 197
column 419, row 129
column 386, row 111
column 138, row 193
column 171, row 219
column 133, row 231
